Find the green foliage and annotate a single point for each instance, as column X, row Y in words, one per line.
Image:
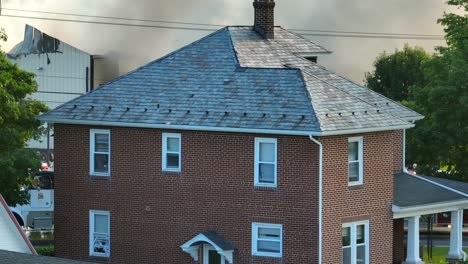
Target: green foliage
column 18, row 168
column 437, row 87
column 396, row 73
column 45, row 250
column 441, row 139
column 18, row 124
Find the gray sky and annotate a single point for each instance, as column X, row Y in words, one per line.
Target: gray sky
column 133, row 46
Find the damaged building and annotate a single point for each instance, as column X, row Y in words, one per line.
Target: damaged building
column 62, row 71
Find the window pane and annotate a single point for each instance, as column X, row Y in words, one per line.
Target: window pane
column 173, row 144
column 266, row 173
column 269, row 246
column 267, row 152
column 360, row 234
column 353, row 171
column 172, row 161
column 101, row 163
column 361, row 254
column 270, row 233
column 101, row 142
column 347, row 255
column 353, row 151
column 346, row 236
column 101, row 224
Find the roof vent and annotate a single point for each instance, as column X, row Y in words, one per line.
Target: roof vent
column 264, row 18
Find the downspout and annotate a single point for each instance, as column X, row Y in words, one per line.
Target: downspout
column 320, row 198
column 404, row 151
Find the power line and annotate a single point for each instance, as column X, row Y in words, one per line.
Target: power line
column 332, row 34
column 116, row 18
column 365, row 33
column 216, row 25
column 109, row 23
column 371, row 36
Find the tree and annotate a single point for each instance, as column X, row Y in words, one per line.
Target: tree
column 396, row 73
column 18, row 124
column 442, row 144
column 437, row 87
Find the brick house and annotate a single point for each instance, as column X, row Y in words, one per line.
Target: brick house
column 239, row 148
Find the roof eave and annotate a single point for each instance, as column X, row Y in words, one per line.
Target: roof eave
column 226, row 129
column 425, row 209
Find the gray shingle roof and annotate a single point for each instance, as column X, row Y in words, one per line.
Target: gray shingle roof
column 9, row 257
column 411, row 191
column 235, row 79
column 218, row 240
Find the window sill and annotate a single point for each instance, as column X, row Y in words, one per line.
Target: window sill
column 266, row 255
column 265, row 188
column 98, row 256
column 99, row 177
column 356, row 187
column 168, row 172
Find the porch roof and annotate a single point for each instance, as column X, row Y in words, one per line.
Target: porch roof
column 418, row 195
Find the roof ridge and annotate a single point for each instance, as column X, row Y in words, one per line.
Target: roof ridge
column 308, row 40
column 344, row 90
column 368, row 89
column 137, row 69
column 332, row 85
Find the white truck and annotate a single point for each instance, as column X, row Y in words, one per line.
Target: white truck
column 39, row 213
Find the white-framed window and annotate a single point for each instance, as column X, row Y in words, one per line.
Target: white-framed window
column 355, row 242
column 99, row 233
column 99, row 152
column 355, row 161
column 171, row 152
column 265, row 167
column 267, row 240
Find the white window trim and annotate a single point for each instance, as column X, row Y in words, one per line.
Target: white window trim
column 255, row 252
column 353, row 239
column 360, row 142
column 92, row 213
column 165, row 136
column 92, row 133
column 257, row 162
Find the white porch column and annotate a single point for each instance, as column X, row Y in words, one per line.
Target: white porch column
column 456, row 237
column 412, row 253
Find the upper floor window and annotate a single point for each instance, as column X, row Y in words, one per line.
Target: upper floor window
column 171, row 152
column 355, row 160
column 355, row 240
column 267, row 240
column 100, row 152
column 265, row 162
column 99, row 233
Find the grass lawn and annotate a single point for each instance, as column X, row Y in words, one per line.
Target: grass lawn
column 438, row 255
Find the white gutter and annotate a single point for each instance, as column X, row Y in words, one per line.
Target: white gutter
column 225, row 129
column 320, row 197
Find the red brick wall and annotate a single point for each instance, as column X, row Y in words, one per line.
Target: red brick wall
column 153, row 213
column 372, row 200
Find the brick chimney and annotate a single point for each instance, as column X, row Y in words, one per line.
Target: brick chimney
column 264, row 18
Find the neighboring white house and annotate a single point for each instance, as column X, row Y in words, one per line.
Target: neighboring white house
column 63, row 72
column 12, row 237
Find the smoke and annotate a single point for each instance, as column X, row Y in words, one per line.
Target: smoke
column 131, row 47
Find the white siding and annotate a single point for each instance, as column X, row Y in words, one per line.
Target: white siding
column 10, row 237
column 60, row 81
